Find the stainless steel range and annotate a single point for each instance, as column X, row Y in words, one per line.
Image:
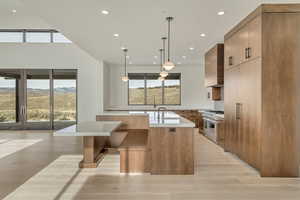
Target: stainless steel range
column 211, row 120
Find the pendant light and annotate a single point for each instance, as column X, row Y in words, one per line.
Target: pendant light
column 163, row 72
column 169, row 65
column 160, row 78
column 125, row 77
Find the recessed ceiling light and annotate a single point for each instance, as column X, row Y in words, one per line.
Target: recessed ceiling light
column 154, row 63
column 178, row 63
column 104, row 12
column 14, row 11
column 192, row 48
column 202, row 35
column 155, row 57
column 123, row 48
column 184, row 57
column 221, row 13
column 116, row 35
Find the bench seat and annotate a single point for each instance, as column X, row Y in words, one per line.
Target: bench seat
column 133, row 152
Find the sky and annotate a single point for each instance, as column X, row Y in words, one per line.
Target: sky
column 38, row 84
column 151, row 83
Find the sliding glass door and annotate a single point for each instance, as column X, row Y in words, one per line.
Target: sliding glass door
column 10, row 112
column 37, row 98
column 64, row 98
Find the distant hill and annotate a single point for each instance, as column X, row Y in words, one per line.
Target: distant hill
column 30, row 90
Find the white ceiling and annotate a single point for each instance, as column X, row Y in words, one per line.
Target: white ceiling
column 140, row 24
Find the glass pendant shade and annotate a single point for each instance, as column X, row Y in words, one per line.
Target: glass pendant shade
column 164, row 74
column 168, row 65
column 125, row 78
column 161, row 78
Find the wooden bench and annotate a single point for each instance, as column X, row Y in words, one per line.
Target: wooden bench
column 133, row 152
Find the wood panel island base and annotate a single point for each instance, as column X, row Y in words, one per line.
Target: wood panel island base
column 93, row 151
column 168, row 148
column 172, row 150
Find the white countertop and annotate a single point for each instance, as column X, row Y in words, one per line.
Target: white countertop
column 99, row 128
column 157, row 119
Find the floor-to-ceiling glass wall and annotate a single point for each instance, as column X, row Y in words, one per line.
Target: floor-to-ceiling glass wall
column 10, row 114
column 37, row 98
column 64, row 98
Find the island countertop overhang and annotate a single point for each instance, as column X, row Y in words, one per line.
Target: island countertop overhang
column 157, row 119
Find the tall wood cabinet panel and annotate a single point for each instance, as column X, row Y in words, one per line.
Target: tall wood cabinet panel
column 281, row 52
column 231, row 121
column 250, row 112
column 262, row 95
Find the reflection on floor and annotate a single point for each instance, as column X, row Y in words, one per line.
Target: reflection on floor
column 8, row 147
column 218, row 176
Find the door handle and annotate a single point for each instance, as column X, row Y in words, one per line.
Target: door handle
column 23, row 111
column 238, row 111
column 246, row 53
column 230, row 60
column 249, row 52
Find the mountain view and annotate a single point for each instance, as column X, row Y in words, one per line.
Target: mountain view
column 38, row 104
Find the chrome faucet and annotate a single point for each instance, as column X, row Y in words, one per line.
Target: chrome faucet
column 154, row 104
column 159, row 110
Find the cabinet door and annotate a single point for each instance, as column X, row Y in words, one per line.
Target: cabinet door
column 172, row 150
column 231, row 98
column 254, row 37
column 250, row 98
column 211, row 67
column 241, row 44
column 229, row 53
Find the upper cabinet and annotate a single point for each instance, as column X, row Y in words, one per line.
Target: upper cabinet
column 243, row 43
column 214, row 66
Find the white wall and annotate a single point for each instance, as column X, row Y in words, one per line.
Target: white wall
column 193, row 92
column 61, row 56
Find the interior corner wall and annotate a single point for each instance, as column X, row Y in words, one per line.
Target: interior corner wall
column 62, row 56
column 193, row 91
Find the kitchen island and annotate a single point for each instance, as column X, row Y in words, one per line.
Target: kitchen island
column 149, row 142
column 170, row 139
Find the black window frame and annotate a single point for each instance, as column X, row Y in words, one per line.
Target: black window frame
column 24, row 31
column 155, row 75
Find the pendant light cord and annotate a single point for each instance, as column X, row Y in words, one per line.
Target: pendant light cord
column 125, row 53
column 161, row 59
column 169, row 27
column 164, row 49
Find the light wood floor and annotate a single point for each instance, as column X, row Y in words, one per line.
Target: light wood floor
column 218, row 175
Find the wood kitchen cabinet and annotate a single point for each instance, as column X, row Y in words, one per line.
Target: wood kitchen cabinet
column 172, row 150
column 214, row 66
column 262, row 90
column 243, row 43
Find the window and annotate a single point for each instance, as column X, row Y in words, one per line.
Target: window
column 60, row 38
column 154, row 89
column 136, row 90
column 172, row 89
column 38, row 37
column 38, row 98
column 64, row 90
column 9, row 80
column 32, row 36
column 146, row 89
column 11, row 36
